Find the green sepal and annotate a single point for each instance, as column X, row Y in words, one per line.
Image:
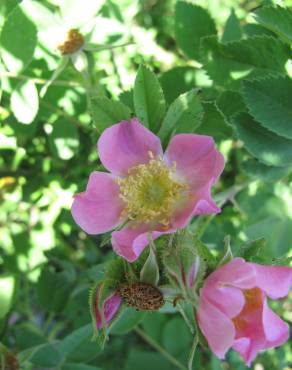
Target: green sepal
column 252, row 249
column 150, row 271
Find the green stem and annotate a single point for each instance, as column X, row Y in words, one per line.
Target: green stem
column 193, row 351
column 160, row 349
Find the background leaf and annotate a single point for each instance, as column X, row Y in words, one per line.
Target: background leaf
column 269, row 148
column 269, row 102
column 148, row 99
column 25, row 102
column 232, row 29
column 192, row 22
column 18, row 41
column 106, row 112
column 276, row 19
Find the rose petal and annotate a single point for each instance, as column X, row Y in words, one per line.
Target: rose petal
column 130, row 242
column 196, row 158
column 275, row 329
column 276, row 281
column 125, row 145
column 98, row 209
column 217, row 328
column 237, row 273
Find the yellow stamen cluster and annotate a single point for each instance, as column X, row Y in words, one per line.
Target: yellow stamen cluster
column 151, row 192
column 73, row 42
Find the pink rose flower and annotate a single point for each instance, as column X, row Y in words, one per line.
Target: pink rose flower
column 233, row 310
column 147, row 190
column 110, row 308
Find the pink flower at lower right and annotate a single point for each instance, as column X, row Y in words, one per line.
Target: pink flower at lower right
column 233, row 309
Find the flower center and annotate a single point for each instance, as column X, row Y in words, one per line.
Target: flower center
column 253, row 302
column 72, row 43
column 151, row 192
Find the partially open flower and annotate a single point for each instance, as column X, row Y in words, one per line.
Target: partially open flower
column 105, row 312
column 233, row 310
column 146, row 189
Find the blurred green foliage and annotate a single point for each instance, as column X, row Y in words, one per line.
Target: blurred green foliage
column 48, row 148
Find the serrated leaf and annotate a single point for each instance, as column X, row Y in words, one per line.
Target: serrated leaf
column 269, row 148
column 214, row 123
column 150, row 271
column 232, row 29
column 149, row 100
column 18, row 40
column 106, row 112
column 25, row 102
column 230, row 103
column 276, row 19
column 184, row 115
column 192, row 22
column 258, row 170
column 269, row 102
column 255, row 56
column 252, row 249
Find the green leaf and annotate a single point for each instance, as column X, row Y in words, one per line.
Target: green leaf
column 269, row 102
column 106, row 112
column 7, row 289
column 54, row 288
column 18, row 40
column 145, row 360
column 276, row 19
column 184, row 115
column 252, row 249
column 64, row 139
column 176, row 328
column 259, row 170
column 230, row 103
column 72, row 341
column 150, row 271
column 127, row 321
column 213, row 123
column 25, row 102
column 177, row 81
column 149, row 100
column 232, row 29
column 47, row 355
column 192, row 22
column 269, row 148
column 72, row 366
column 255, row 56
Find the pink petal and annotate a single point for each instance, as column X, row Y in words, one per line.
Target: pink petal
column 130, row 242
column 276, row 330
column 237, row 273
column 201, row 204
column 196, row 159
column 110, row 308
column 125, row 145
column 276, row 281
column 229, row 300
column 242, row 346
column 217, row 328
column 98, row 209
